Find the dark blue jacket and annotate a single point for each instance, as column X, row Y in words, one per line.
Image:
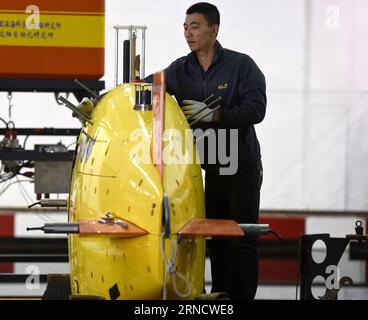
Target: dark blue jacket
column 237, row 79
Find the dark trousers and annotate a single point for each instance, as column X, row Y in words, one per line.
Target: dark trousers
column 234, row 261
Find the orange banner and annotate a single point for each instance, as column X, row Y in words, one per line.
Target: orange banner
column 61, row 39
column 96, row 6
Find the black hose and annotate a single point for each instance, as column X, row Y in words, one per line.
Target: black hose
column 6, row 124
column 275, row 234
column 34, row 204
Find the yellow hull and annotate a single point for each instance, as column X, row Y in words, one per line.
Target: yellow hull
column 108, row 177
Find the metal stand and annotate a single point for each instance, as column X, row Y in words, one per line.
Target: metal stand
column 47, row 85
column 309, row 269
column 133, row 59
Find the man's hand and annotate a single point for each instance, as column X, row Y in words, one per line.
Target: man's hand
column 194, row 110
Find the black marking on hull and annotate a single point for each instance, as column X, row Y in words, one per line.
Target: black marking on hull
column 114, row 292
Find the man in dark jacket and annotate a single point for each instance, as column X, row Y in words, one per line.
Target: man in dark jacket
column 235, row 81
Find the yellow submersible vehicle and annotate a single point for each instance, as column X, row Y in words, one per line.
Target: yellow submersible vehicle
column 136, row 213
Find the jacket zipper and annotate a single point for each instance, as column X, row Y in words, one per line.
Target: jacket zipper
column 205, row 89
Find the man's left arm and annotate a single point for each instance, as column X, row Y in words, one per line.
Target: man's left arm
column 252, row 108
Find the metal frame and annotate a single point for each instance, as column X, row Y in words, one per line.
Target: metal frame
column 36, row 155
column 132, row 38
column 41, row 248
column 309, row 269
column 47, row 85
column 43, row 131
column 34, row 250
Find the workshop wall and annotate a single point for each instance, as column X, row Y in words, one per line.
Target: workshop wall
column 313, row 54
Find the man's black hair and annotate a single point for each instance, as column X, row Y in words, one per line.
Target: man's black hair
column 210, row 12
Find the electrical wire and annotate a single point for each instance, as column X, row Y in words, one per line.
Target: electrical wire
column 6, row 124
column 170, row 268
column 69, row 145
column 275, row 234
column 11, row 122
column 11, row 183
column 25, row 141
column 25, row 194
column 9, row 175
column 298, row 275
column 10, row 97
column 6, row 176
column 6, row 183
column 23, row 191
column 44, row 217
column 34, row 204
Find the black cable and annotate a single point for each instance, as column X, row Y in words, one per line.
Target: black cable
column 6, row 124
column 34, row 204
column 275, row 234
column 25, row 141
column 298, row 262
column 298, row 278
column 15, row 173
column 12, row 124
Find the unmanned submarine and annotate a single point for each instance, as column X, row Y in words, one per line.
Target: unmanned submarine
column 136, row 213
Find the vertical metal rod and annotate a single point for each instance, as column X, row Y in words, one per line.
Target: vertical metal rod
column 131, row 55
column 143, row 58
column 133, row 47
column 132, row 50
column 116, row 57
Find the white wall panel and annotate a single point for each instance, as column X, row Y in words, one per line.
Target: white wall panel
column 313, row 54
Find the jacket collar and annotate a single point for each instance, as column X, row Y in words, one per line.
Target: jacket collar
column 218, row 52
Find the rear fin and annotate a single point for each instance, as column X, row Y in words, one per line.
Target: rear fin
column 211, row 228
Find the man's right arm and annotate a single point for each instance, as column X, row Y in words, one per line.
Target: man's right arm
column 252, row 90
